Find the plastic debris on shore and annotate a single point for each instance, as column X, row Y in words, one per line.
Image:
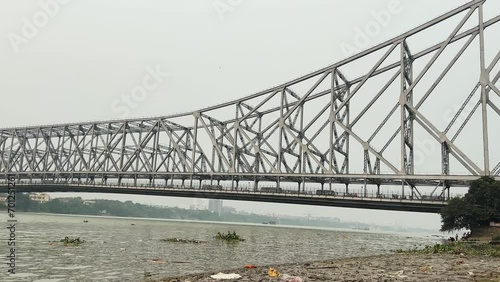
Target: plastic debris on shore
column 398, row 274
column 225, row 276
column 249, row 266
column 289, row 278
column 273, row 272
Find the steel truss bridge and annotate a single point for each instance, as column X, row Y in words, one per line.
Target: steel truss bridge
column 357, row 121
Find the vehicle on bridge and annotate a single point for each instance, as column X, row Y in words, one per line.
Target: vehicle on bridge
column 271, row 189
column 211, row 187
column 326, row 192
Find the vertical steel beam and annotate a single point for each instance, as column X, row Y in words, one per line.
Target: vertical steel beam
column 138, row 147
column 2, row 153
column 61, row 150
column 406, row 98
column 260, row 138
column 156, row 145
column 302, row 152
column 331, row 120
column 347, row 123
column 445, row 158
column 70, row 152
column 22, row 144
column 281, row 123
column 196, row 115
column 484, row 79
column 9, row 164
column 47, row 150
column 108, row 154
column 122, row 152
column 57, row 156
column 235, row 139
column 77, row 147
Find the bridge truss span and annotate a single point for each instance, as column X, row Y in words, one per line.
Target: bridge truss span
column 358, row 121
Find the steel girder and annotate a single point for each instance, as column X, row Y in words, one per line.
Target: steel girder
column 301, row 131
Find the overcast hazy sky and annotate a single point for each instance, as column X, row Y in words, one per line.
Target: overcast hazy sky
column 77, row 63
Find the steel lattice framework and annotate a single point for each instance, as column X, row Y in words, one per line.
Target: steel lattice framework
column 303, row 131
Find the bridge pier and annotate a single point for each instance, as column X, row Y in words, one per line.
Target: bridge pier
column 347, row 188
column 378, row 191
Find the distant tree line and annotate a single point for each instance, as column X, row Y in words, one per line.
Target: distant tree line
column 130, row 209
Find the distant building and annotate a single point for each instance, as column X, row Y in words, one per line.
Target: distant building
column 229, row 209
column 88, row 202
column 215, row 205
column 40, row 197
column 197, row 207
column 64, row 200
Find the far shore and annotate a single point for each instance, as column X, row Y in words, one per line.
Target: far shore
column 393, row 267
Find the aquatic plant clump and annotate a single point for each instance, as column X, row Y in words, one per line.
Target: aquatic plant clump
column 75, row 242
column 229, row 237
column 177, row 240
column 458, row 248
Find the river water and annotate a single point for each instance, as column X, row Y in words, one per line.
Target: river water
column 124, row 249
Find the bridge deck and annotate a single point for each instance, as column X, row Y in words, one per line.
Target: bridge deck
column 380, row 203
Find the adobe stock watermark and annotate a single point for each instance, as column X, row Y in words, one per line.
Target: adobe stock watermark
column 363, row 37
column 222, row 7
column 31, row 27
column 150, row 82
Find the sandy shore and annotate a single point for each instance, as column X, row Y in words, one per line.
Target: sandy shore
column 394, row 267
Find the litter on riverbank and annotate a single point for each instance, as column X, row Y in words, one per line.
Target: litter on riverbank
column 394, row 267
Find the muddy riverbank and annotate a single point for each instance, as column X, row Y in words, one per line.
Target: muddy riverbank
column 394, row 267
